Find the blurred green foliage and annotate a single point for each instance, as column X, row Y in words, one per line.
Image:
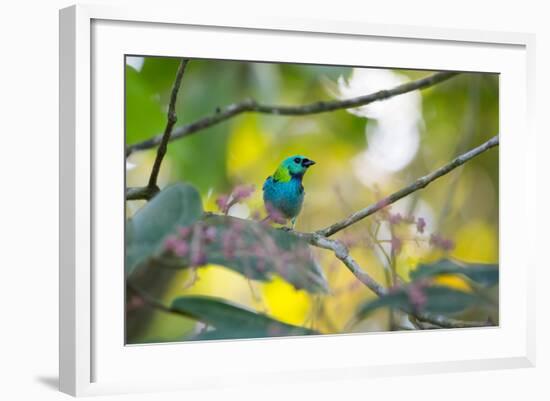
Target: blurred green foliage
column 454, row 116
column 231, row 321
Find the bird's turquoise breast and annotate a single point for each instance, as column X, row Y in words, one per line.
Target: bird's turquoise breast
column 287, row 197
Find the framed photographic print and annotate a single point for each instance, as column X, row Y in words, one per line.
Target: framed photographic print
column 234, row 193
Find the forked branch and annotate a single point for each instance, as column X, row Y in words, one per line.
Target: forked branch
column 152, row 188
column 420, row 183
column 313, row 108
column 342, row 253
column 320, row 238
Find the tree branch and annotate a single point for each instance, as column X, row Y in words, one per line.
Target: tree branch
column 152, row 188
column 342, row 253
column 313, row 108
column 320, row 238
column 420, row 183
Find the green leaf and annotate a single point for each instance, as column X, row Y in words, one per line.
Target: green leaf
column 144, row 115
column 439, row 299
column 483, row 274
column 176, row 206
column 258, row 251
column 447, row 300
column 395, row 300
column 159, row 73
column 233, row 321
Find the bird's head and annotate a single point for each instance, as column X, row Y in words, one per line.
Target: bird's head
column 293, row 166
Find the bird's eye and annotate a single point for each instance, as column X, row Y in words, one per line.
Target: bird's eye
column 297, row 160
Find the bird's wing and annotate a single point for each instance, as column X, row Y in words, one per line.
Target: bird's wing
column 268, row 179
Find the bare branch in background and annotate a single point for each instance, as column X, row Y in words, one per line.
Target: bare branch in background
column 319, row 238
column 313, row 108
column 420, row 183
column 152, row 188
column 342, row 253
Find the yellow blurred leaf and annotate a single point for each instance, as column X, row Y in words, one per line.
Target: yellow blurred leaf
column 476, row 241
column 453, row 281
column 285, row 303
column 247, row 145
column 348, row 291
column 217, row 281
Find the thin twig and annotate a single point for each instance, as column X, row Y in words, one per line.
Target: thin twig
column 137, row 193
column 417, row 324
column 342, row 253
column 471, row 119
column 320, row 239
column 420, row 183
column 312, row 108
column 393, row 275
column 152, row 188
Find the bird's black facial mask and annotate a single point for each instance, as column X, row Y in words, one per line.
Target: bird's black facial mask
column 307, row 162
column 295, row 166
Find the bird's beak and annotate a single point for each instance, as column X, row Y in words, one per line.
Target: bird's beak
column 307, row 162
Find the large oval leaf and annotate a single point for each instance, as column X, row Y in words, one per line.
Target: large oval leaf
column 254, row 250
column 233, row 321
column 438, row 299
column 177, row 205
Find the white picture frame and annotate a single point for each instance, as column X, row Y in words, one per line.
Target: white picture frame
column 93, row 357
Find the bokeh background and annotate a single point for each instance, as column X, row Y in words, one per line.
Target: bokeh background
column 361, row 154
